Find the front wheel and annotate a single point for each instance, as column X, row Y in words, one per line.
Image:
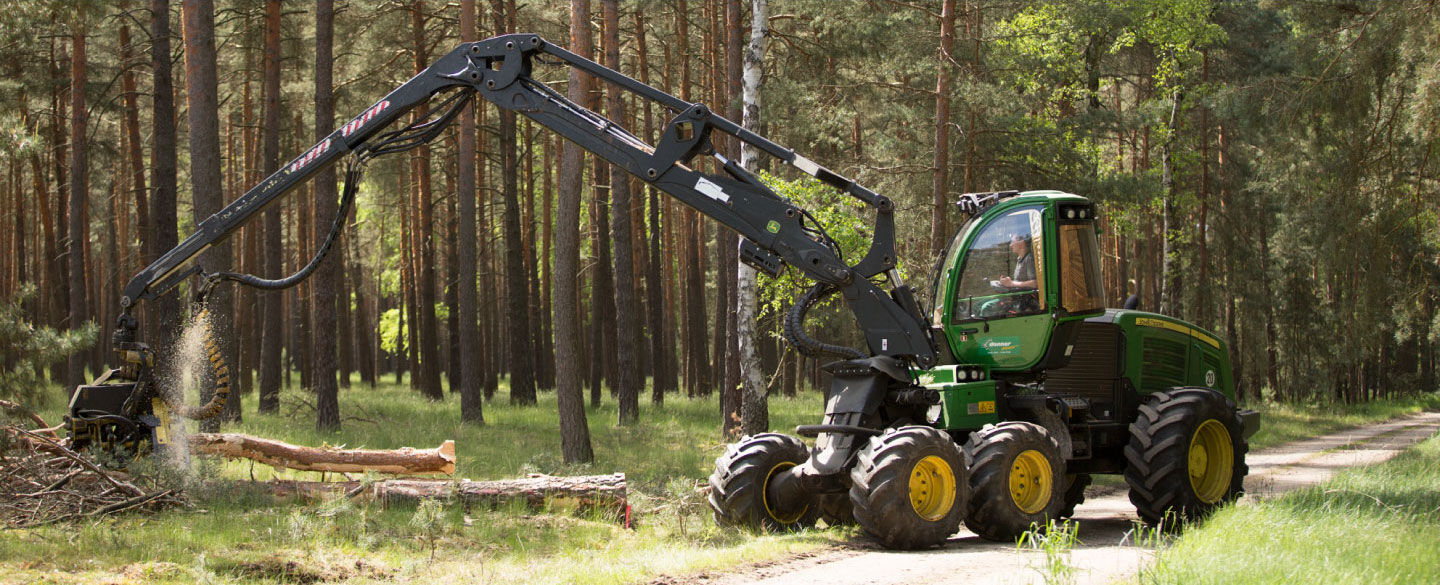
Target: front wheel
column 1016, row 475
column 1186, row 455
column 908, row 487
column 738, row 485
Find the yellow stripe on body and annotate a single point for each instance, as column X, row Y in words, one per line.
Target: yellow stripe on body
column 1191, row 331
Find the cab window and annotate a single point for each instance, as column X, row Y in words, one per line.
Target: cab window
column 1004, row 269
column 1081, row 287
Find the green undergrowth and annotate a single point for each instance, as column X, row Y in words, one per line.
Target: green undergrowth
column 1367, row 525
column 240, row 533
column 1282, row 423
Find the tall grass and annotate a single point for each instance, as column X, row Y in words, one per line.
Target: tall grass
column 1378, row 524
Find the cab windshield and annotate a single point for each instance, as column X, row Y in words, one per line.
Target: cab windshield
column 1004, row 271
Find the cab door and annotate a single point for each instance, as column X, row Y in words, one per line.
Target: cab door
column 997, row 312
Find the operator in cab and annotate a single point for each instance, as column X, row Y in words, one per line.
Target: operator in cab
column 1024, row 276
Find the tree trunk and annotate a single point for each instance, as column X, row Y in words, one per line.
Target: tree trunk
column 326, row 284
column 517, row 297
column 282, row 455
column 755, row 407
column 427, row 379
column 165, row 309
column 627, row 317
column 585, row 493
column 134, row 156
column 1168, row 291
column 570, row 398
column 940, row 185
column 272, row 334
column 661, row 350
column 202, row 93
column 692, row 251
column 79, row 189
column 471, row 398
column 727, row 265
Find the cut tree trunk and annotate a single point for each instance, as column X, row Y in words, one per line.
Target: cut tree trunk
column 603, row 492
column 440, row 460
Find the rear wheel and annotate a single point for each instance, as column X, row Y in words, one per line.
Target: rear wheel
column 1186, row 455
column 908, row 487
column 738, row 485
column 1015, row 480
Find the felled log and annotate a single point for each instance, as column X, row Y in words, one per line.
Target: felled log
column 406, row 461
column 597, row 492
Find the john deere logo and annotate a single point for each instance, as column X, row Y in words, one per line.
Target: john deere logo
column 773, row 227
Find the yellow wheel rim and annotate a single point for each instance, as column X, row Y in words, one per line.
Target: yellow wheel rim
column 1211, row 461
column 932, row 488
column 1031, row 481
column 765, row 497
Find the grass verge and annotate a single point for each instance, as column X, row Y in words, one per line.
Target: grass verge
column 240, row 534
column 1378, row 524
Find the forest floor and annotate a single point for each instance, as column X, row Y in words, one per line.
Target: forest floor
column 238, row 533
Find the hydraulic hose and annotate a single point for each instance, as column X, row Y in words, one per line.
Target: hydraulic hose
column 795, row 326
column 352, row 185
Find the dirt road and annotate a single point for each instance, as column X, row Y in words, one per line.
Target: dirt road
column 1106, row 522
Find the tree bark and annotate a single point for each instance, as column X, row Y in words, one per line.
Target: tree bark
column 471, row 398
column 1168, row 290
column 165, row 309
column 272, row 334
column 754, row 407
column 281, row 455
column 940, row 185
column 428, row 328
column 79, row 189
column 587, row 492
column 517, row 297
column 627, row 317
column 570, row 398
column 698, row 358
column 727, row 318
column 134, row 156
column 201, row 86
column 327, row 276
column 661, row 350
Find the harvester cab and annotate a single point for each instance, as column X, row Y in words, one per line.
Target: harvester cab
column 1020, row 265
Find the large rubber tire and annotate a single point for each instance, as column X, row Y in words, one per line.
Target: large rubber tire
column 1186, row 455
column 1075, row 484
column 908, row 487
column 737, row 487
column 1017, row 476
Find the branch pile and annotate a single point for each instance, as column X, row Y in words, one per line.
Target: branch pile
column 43, row 482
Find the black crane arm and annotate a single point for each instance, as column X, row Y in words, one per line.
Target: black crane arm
column 775, row 231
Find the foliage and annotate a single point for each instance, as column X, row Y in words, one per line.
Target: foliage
column 27, row 350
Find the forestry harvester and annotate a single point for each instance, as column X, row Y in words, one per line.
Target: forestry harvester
column 993, row 408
